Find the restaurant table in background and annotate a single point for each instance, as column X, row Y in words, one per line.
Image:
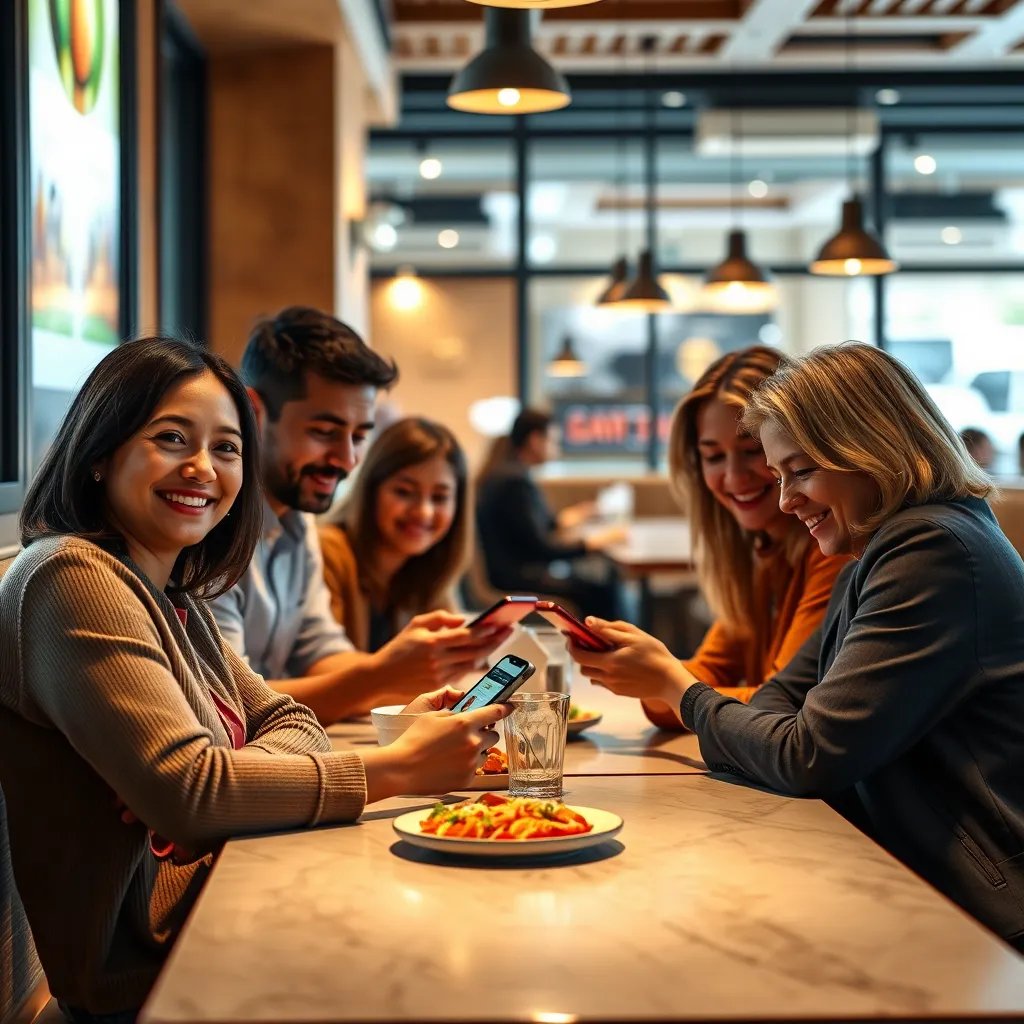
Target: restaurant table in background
column 716, row 901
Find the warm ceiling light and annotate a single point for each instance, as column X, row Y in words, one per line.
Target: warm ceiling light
column 925, row 164
column 738, row 284
column 534, row 5
column 853, row 250
column 645, row 293
column 430, row 168
column 448, row 238
column 566, row 363
column 616, row 287
column 758, row 188
column 508, row 76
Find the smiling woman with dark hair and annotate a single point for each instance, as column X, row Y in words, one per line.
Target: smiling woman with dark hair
column 130, row 733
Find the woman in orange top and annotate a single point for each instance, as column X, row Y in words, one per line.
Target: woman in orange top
column 767, row 585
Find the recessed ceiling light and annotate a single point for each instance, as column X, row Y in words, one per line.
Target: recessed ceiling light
column 385, row 237
column 448, row 238
column 952, row 235
column 674, row 99
column 758, row 188
column 430, row 168
column 887, row 97
column 925, row 164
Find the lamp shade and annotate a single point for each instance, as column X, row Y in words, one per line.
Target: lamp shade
column 645, row 294
column 508, row 76
column 617, row 286
column 534, row 5
column 566, row 363
column 853, row 250
column 738, row 284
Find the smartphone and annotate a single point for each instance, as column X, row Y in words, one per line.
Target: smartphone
column 505, row 612
column 498, row 685
column 577, row 631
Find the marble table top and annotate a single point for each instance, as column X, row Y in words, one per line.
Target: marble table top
column 716, row 902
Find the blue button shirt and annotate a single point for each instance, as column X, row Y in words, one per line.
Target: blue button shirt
column 278, row 616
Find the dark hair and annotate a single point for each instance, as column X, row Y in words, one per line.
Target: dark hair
column 421, row 582
column 114, row 403
column 974, row 436
column 281, row 350
column 528, row 422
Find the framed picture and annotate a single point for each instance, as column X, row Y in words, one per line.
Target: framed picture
column 81, row 229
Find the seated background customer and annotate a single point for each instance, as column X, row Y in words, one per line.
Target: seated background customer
column 518, row 530
column 907, row 709
column 402, row 538
column 767, row 581
column 133, row 740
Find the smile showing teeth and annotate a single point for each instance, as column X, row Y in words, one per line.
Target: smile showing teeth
column 813, row 521
column 749, row 496
column 186, row 499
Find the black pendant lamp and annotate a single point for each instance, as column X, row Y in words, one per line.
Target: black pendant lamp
column 616, row 287
column 508, row 76
column 853, row 250
column 566, row 363
column 738, row 283
column 534, row 5
column 645, row 293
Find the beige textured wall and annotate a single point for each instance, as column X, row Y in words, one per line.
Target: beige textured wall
column 271, row 186
column 456, row 347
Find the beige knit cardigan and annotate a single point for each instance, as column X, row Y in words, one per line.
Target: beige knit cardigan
column 105, row 695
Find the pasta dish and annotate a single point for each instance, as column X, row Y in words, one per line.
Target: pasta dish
column 504, row 818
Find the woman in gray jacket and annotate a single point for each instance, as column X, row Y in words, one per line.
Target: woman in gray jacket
column 906, row 709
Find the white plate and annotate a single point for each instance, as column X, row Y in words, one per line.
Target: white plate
column 584, row 721
column 606, row 826
column 485, row 782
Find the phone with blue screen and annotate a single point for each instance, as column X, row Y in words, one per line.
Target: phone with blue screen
column 498, row 685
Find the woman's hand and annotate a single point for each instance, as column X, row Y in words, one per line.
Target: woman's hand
column 437, row 700
column 438, row 753
column 640, row 666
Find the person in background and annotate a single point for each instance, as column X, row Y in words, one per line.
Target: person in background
column 906, row 709
column 979, row 446
column 519, row 532
column 314, row 384
column 766, row 581
column 133, row 740
column 402, row 538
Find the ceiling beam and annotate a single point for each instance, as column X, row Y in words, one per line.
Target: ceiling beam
column 765, row 27
column 996, row 38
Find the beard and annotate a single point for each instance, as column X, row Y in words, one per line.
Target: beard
column 294, row 487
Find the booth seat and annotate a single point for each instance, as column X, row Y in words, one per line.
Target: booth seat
column 651, row 493
column 1009, row 510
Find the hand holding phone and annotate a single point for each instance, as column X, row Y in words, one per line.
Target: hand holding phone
column 506, row 612
column 578, row 632
column 498, row 685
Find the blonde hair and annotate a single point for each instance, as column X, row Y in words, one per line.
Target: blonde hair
column 723, row 549
column 424, row 581
column 853, row 408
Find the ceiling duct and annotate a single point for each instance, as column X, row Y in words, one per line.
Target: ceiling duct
column 833, row 131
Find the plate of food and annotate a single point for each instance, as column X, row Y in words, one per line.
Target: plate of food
column 493, row 825
column 493, row 773
column 580, row 719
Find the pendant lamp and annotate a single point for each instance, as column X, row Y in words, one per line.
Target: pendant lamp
column 534, row 5
column 566, row 363
column 738, row 284
column 645, row 293
column 616, row 288
column 508, row 76
column 853, row 250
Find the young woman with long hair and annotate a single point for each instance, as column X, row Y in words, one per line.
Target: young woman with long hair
column 766, row 583
column 907, row 709
column 403, row 535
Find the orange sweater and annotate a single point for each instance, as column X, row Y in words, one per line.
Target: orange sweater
column 789, row 602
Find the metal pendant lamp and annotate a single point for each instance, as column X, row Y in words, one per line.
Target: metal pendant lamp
column 534, row 5
column 853, row 250
column 508, row 76
column 738, row 283
column 616, row 287
column 645, row 293
column 566, row 363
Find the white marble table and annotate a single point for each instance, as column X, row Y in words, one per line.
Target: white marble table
column 622, row 743
column 717, row 902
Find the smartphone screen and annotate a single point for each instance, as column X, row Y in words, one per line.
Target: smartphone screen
column 499, row 684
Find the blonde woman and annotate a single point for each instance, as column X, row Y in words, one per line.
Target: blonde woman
column 767, row 583
column 403, row 537
column 908, row 708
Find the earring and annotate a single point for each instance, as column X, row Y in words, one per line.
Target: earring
column 96, row 475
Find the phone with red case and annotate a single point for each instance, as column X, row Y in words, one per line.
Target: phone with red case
column 505, row 612
column 581, row 634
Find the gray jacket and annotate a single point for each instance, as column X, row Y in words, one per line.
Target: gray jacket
column 906, row 708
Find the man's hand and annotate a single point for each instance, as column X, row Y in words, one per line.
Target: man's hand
column 640, row 666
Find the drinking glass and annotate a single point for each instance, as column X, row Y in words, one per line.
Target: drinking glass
column 535, row 744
